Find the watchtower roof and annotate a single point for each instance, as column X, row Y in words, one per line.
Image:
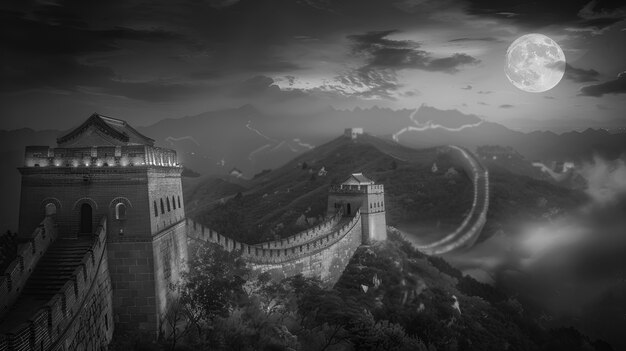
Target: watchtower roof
column 111, row 131
column 358, row 179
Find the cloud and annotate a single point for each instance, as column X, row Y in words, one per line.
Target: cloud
column 602, row 107
column 580, row 75
column 218, row 4
column 49, row 38
column 367, row 83
column 468, row 87
column 597, row 14
column 606, row 180
column 485, row 92
column 385, row 53
column 488, row 39
column 615, row 86
column 506, row 106
column 599, row 10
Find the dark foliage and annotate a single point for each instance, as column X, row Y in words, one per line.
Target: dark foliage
column 8, row 249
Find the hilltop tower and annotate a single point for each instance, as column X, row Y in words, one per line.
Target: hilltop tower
column 105, row 168
column 360, row 192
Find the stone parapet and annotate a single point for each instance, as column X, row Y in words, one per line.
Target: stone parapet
column 99, row 156
column 63, row 322
column 305, row 236
column 28, row 254
column 258, row 255
column 357, row 189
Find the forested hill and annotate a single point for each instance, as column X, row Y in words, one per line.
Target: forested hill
column 273, row 201
column 390, row 297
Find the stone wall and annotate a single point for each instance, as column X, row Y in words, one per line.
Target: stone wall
column 102, row 188
column 325, row 256
column 28, row 254
column 78, row 317
column 169, row 252
column 305, row 236
column 165, row 198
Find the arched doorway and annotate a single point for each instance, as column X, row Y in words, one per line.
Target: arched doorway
column 86, row 219
column 349, row 210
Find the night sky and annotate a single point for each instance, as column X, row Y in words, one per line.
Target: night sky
column 148, row 60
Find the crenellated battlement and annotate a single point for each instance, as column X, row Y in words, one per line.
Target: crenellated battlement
column 304, row 236
column 261, row 254
column 28, row 255
column 357, row 189
column 57, row 322
column 100, row 156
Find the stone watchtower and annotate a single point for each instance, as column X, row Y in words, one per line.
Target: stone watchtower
column 360, row 192
column 105, row 168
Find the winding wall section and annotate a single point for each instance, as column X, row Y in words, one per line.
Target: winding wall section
column 323, row 251
column 468, row 232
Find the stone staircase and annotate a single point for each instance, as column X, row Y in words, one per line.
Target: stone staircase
column 53, row 270
column 56, row 267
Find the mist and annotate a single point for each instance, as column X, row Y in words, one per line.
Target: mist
column 571, row 266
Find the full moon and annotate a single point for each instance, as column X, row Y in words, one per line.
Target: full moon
column 534, row 63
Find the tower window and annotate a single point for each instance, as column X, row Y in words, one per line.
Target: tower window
column 179, row 201
column 167, row 199
column 173, row 202
column 50, row 209
column 120, row 211
column 156, row 211
column 162, row 207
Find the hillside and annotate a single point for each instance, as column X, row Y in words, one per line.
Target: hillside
column 389, row 297
column 277, row 199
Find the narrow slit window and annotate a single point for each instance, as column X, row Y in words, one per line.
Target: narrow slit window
column 156, row 211
column 167, row 199
column 162, row 207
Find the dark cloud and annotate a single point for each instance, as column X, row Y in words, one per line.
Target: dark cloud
column 580, row 75
column 506, row 106
column 218, row 4
column 385, row 53
column 153, row 91
column 578, row 13
column 615, row 86
column 45, row 38
column 488, row 39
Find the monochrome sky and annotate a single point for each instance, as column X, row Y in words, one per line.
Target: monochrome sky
column 148, row 60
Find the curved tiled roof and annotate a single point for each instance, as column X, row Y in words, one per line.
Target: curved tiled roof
column 113, row 127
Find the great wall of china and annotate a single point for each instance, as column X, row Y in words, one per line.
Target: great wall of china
column 73, row 282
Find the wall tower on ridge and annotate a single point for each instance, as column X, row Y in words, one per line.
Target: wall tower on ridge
column 361, row 193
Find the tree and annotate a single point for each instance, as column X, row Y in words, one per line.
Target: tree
column 214, row 282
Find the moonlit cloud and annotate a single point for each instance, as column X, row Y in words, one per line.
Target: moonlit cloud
column 616, row 86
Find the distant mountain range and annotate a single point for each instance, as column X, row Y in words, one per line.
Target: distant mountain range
column 250, row 140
